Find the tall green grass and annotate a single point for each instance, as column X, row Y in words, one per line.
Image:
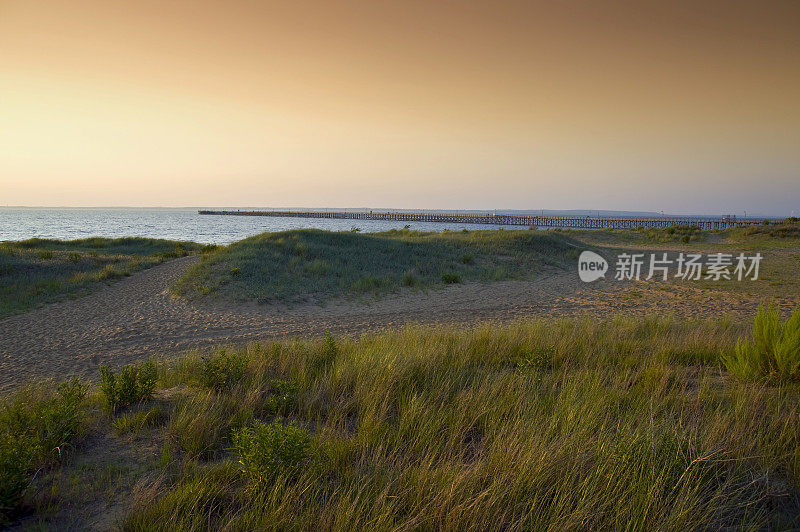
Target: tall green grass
column 543, row 424
column 134, row 383
column 294, row 266
column 539, row 425
column 36, row 425
column 38, row 271
column 774, row 352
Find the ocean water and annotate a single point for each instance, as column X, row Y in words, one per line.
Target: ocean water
column 20, row 223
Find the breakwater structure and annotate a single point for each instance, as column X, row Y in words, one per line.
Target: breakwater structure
column 576, row 222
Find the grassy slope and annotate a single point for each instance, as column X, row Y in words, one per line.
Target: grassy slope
column 779, row 244
column 540, row 425
column 294, row 265
column 38, row 271
column 748, row 238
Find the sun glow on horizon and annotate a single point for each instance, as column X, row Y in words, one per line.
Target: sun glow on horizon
column 634, row 106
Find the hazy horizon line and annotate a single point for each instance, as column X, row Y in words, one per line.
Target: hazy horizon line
column 411, row 209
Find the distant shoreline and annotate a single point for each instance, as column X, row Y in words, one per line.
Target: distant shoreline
column 541, row 212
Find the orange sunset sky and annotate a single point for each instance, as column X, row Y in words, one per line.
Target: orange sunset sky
column 681, row 106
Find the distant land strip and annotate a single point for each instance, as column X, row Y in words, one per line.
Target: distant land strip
column 577, row 222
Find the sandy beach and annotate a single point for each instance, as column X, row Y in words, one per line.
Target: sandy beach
column 138, row 317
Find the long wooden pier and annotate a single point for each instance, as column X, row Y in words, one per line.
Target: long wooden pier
column 577, row 222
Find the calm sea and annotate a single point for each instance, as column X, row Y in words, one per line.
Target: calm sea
column 20, row 223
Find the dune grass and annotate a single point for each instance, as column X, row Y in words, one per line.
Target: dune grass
column 759, row 237
column 294, row 266
column 774, row 352
column 36, row 425
column 778, row 243
column 548, row 424
column 38, row 271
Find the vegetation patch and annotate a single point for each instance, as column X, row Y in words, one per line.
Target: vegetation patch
column 134, row 422
column 38, row 271
column 134, row 383
column 539, row 424
column 761, row 237
column 790, row 228
column 295, row 266
column 36, row 425
column 774, row 352
column 222, row 371
column 266, row 451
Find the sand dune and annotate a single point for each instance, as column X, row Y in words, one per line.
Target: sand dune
column 138, row 316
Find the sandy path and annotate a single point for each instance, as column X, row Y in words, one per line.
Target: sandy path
column 137, row 317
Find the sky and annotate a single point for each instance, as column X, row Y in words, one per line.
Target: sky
column 686, row 106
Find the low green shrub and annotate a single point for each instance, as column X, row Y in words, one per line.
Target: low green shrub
column 222, row 371
column 268, row 451
column 135, row 382
column 774, row 352
column 451, row 277
column 282, row 396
